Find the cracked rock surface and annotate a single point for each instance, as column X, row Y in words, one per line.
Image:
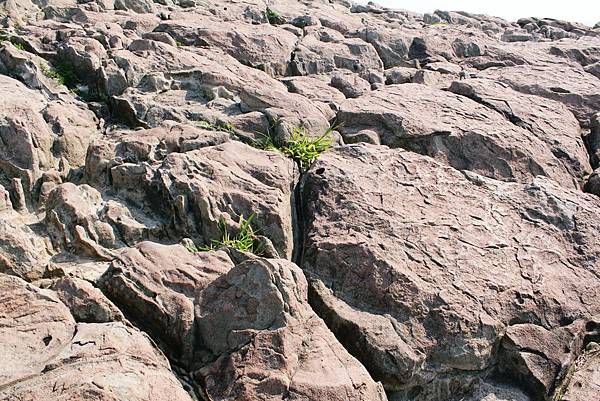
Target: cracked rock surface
column 444, row 247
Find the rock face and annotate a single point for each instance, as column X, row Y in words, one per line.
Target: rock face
column 465, row 134
column 296, row 200
column 422, row 270
column 44, row 350
column 245, row 330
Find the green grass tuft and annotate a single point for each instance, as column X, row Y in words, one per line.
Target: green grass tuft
column 62, row 74
column 301, row 148
column 273, row 17
column 224, row 127
column 244, row 240
column 18, row 45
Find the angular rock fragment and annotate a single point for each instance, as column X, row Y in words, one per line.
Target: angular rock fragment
column 547, row 120
column 568, row 84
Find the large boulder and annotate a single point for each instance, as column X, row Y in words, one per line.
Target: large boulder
column 156, row 284
column 421, row 270
column 244, row 330
column 38, row 134
column 188, row 193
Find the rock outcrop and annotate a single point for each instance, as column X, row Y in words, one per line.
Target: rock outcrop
column 296, row 200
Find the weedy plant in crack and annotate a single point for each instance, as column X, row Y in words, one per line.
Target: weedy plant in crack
column 273, row 17
column 244, row 240
column 300, row 147
column 224, row 127
column 18, row 45
column 62, row 74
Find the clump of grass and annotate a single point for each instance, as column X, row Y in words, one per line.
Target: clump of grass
column 224, row 127
column 273, row 17
column 244, row 240
column 178, row 43
column 300, row 147
column 62, row 74
column 18, row 45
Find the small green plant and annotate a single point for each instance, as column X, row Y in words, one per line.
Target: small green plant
column 300, row 147
column 178, row 43
column 243, row 241
column 62, row 74
column 224, row 127
column 18, row 45
column 273, row 17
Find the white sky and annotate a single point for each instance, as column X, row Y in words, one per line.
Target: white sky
column 586, row 11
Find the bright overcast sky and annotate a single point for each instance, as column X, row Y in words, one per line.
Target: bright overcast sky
column 586, row 11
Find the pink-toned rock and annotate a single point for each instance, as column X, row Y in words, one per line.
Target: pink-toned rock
column 44, row 350
column 456, row 130
column 419, row 269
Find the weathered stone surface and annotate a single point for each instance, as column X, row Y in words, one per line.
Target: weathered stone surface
column 188, row 193
column 463, row 133
column 155, row 286
column 315, row 89
column 568, row 84
column 351, row 85
column 547, row 120
column 38, row 133
column 275, row 338
column 86, row 303
column 422, row 269
column 44, row 349
column 222, row 318
column 24, row 251
column 261, row 46
column 167, row 87
column 471, row 276
column 540, row 358
column 325, row 50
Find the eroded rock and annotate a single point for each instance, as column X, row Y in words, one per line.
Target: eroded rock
column 419, row 268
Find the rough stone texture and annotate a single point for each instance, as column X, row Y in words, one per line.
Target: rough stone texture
column 23, row 251
column 222, row 320
column 548, row 120
column 423, row 268
column 43, row 350
column 568, row 84
column 262, row 46
column 458, row 263
column 155, row 286
column 325, row 50
column 86, row 303
column 465, row 134
column 190, row 192
column 275, row 339
column 584, row 385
